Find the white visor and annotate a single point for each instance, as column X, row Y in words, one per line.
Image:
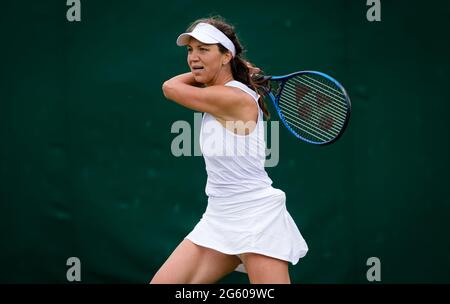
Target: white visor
column 208, row 34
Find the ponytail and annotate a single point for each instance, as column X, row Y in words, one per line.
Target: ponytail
column 242, row 74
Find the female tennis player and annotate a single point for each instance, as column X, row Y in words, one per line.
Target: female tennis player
column 246, row 226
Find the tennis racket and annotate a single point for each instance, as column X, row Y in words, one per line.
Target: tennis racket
column 312, row 105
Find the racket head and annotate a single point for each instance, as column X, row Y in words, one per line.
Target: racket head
column 312, row 105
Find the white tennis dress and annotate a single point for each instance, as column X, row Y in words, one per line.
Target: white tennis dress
column 244, row 212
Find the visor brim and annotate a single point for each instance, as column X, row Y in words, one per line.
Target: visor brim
column 184, row 38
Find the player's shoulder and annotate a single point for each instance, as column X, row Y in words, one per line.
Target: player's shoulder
column 229, row 92
column 241, row 96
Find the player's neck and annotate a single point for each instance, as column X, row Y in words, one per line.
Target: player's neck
column 223, row 76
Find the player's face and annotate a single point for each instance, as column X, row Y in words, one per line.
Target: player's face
column 205, row 61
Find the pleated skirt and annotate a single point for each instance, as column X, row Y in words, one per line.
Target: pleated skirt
column 256, row 222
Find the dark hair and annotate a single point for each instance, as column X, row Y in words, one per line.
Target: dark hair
column 239, row 67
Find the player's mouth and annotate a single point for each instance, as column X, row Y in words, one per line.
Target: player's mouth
column 197, row 68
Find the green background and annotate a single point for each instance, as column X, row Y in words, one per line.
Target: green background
column 86, row 168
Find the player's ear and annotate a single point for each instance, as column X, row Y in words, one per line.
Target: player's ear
column 227, row 58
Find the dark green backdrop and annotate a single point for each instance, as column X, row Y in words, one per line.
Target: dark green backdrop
column 87, row 170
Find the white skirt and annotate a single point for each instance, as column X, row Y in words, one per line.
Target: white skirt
column 256, row 222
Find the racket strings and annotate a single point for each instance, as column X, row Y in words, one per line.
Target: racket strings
column 313, row 132
column 306, row 114
column 306, row 110
column 321, row 127
column 291, row 110
column 291, row 93
column 315, row 109
column 339, row 100
column 293, row 119
column 322, row 86
column 329, row 86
